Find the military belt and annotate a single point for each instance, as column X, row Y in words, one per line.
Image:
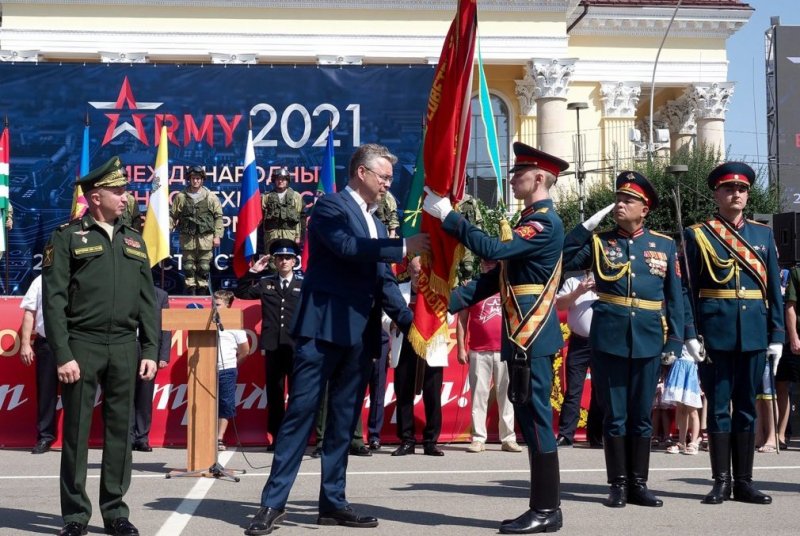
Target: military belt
column 636, row 303
column 528, row 290
column 731, row 294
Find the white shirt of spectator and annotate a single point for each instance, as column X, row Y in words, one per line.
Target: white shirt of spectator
column 229, row 341
column 32, row 301
column 579, row 315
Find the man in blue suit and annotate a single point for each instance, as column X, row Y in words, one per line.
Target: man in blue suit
column 737, row 291
column 527, row 279
column 337, row 329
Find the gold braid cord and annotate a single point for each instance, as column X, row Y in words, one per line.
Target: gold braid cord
column 711, row 260
column 600, row 254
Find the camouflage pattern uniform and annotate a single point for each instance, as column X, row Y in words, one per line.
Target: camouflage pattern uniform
column 131, row 216
column 387, row 213
column 468, row 207
column 281, row 216
column 198, row 223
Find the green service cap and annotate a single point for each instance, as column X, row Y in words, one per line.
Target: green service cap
column 111, row 174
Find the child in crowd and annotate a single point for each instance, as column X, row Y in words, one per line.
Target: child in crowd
column 765, row 416
column 682, row 390
column 233, row 348
column 662, row 415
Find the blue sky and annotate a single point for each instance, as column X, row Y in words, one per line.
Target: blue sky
column 746, row 124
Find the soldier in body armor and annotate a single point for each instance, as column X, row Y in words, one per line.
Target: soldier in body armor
column 468, row 207
column 283, row 210
column 197, row 214
column 131, row 216
column 387, row 213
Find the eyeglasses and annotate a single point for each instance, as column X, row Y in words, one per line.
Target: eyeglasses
column 387, row 179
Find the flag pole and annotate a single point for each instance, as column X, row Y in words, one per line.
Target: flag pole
column 5, row 215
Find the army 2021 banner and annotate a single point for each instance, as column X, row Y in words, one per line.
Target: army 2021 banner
column 207, row 110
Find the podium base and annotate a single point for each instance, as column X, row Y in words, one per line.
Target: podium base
column 215, row 471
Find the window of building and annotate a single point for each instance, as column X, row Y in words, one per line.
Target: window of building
column 481, row 181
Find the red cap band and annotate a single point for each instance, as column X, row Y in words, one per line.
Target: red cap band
column 631, row 188
column 733, row 177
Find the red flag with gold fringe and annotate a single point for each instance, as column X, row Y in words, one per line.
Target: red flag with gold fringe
column 444, row 154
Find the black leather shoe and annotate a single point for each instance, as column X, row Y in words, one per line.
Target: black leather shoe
column 432, row 450
column 348, row 518
column 317, row 452
column 264, row 521
column 374, row 445
column 533, row 522
column 563, row 441
column 72, row 529
column 142, row 447
column 617, row 495
column 41, row 446
column 406, row 447
column 360, row 451
column 122, row 527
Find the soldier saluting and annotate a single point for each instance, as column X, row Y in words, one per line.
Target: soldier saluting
column 734, row 269
column 637, row 319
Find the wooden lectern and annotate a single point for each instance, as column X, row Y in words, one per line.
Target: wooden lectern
column 201, row 433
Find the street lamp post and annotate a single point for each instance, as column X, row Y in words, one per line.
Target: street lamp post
column 579, row 173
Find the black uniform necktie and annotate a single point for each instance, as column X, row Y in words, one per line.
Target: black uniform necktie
column 285, row 284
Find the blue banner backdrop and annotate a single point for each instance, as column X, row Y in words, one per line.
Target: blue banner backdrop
column 207, row 110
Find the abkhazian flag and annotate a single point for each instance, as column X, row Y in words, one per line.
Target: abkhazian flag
column 445, row 153
column 5, row 202
column 487, row 117
column 156, row 223
column 412, row 214
column 79, row 204
column 245, row 242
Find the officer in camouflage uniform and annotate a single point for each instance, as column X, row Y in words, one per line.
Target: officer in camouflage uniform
column 197, row 214
column 468, row 207
column 97, row 292
column 131, row 215
column 387, row 213
column 283, row 210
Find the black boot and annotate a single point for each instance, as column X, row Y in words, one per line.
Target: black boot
column 743, row 451
column 614, row 449
column 191, row 291
column 719, row 448
column 638, row 469
column 544, row 514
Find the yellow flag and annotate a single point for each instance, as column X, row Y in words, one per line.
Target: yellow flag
column 156, row 224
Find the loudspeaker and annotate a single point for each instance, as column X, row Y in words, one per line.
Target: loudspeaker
column 786, row 227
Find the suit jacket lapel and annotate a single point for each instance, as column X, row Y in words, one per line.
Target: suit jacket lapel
column 351, row 204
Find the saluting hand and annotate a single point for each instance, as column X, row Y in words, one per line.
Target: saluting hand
column 260, row 264
column 69, row 372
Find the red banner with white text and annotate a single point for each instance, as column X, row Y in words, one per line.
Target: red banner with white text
column 18, row 391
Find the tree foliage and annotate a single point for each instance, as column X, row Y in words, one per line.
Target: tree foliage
column 697, row 201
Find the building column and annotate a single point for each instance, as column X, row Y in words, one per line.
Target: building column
column 620, row 100
column 526, row 96
column 550, row 79
column 711, row 105
column 680, row 117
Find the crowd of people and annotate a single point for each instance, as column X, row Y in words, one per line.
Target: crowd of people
column 695, row 326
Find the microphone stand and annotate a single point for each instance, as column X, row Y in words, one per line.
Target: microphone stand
column 217, row 470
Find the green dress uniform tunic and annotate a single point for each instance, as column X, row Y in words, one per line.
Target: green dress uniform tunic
column 97, row 293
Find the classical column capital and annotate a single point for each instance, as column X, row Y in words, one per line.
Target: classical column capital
column 526, row 95
column 620, row 99
column 711, row 100
column 680, row 115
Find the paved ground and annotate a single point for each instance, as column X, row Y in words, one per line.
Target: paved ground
column 460, row 493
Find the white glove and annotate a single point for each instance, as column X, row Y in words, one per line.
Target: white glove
column 592, row 223
column 435, row 205
column 696, row 350
column 667, row 358
column 775, row 350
